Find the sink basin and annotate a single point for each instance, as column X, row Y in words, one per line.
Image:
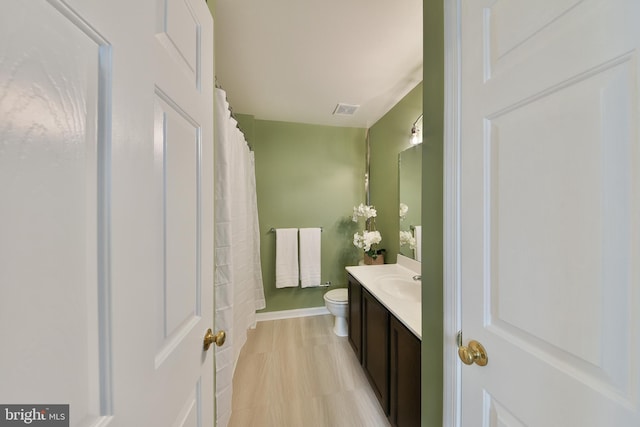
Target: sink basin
column 401, row 287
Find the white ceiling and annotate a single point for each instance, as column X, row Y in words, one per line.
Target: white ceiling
column 295, row 60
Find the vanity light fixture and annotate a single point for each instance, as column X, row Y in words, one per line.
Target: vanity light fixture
column 416, row 132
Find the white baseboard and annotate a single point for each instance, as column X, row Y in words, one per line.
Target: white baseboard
column 289, row 314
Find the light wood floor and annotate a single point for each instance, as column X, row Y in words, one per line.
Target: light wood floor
column 298, row 373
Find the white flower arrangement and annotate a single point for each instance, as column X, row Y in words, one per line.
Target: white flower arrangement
column 363, row 211
column 406, row 238
column 368, row 238
column 403, row 211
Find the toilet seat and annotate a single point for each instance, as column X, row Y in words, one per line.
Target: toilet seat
column 337, row 296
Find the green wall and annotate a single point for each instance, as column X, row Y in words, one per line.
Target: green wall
column 387, row 138
column 246, row 123
column 307, row 176
column 432, row 208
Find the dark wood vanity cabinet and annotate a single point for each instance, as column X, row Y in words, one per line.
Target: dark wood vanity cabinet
column 390, row 355
column 354, row 317
column 405, row 375
column 375, row 347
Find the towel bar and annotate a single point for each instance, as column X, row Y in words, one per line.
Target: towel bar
column 273, row 230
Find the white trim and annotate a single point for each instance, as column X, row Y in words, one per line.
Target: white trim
column 452, row 381
column 289, row 314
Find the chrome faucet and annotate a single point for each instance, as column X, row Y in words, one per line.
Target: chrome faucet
column 417, row 277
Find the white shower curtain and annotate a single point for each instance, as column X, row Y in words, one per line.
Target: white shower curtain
column 238, row 280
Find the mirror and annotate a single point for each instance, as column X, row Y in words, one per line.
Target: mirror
column 410, row 203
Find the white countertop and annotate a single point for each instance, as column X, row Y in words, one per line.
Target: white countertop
column 408, row 311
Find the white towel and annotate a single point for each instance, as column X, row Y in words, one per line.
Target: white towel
column 310, row 257
column 286, row 257
column 417, row 234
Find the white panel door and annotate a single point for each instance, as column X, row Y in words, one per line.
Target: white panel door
column 54, row 68
column 550, row 212
column 183, row 146
column 106, row 237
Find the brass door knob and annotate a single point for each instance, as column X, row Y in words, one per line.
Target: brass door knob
column 474, row 352
column 209, row 339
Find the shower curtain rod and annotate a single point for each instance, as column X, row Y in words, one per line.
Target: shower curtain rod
column 218, row 86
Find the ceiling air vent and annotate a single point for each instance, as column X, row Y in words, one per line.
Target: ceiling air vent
column 345, row 110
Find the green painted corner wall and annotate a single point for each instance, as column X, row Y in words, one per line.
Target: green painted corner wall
column 310, row 175
column 246, row 123
column 432, row 213
column 306, row 176
column 388, row 137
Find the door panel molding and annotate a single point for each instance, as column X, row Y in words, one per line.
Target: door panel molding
column 583, row 143
column 496, row 415
column 174, row 16
column 503, row 35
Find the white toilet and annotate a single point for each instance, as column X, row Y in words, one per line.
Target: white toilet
column 337, row 301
